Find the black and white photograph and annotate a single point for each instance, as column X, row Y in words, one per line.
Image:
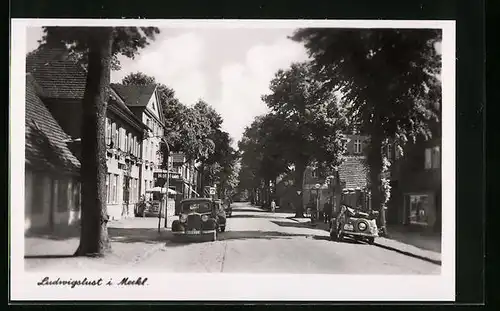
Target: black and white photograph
column 233, row 160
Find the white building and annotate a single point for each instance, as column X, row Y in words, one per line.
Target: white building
column 143, row 101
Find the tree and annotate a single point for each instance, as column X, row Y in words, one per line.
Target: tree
column 96, row 47
column 389, row 82
column 306, row 124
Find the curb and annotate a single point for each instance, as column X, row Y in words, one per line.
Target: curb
column 410, row 254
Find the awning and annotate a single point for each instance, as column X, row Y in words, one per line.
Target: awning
column 161, row 190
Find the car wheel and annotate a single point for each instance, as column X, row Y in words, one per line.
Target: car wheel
column 333, row 234
column 371, row 240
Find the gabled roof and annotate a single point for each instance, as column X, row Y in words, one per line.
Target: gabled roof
column 353, row 172
column 45, row 139
column 58, row 75
column 61, row 77
column 135, row 95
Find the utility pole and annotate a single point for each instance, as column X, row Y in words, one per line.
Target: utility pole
column 167, row 183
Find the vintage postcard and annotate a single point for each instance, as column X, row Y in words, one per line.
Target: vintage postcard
column 238, row 160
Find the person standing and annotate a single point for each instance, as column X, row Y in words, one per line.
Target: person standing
column 273, row 206
column 327, row 211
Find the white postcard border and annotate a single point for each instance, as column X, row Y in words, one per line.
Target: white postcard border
column 248, row 287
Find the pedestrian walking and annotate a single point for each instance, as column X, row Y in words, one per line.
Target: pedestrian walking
column 273, row 206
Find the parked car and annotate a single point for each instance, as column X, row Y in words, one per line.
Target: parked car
column 148, row 209
column 200, row 217
column 355, row 223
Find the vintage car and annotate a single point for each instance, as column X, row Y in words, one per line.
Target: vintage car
column 354, row 223
column 200, row 217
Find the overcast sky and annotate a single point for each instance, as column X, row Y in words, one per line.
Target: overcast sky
column 229, row 68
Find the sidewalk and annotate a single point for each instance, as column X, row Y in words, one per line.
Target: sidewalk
column 131, row 240
column 420, row 245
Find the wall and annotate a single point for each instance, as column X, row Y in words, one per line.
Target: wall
column 50, row 217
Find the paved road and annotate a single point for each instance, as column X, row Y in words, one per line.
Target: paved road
column 256, row 241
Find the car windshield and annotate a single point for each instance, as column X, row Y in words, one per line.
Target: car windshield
column 196, row 207
column 355, row 212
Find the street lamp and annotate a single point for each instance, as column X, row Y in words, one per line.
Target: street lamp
column 317, row 187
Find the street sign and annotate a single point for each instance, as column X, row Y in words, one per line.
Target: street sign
column 212, row 191
column 299, row 192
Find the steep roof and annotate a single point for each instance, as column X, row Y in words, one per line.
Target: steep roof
column 58, row 75
column 353, row 172
column 61, row 77
column 45, row 139
column 135, row 95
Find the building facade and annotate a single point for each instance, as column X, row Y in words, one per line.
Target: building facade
column 134, row 127
column 52, row 185
column 143, row 101
column 184, row 179
column 124, row 135
column 416, row 186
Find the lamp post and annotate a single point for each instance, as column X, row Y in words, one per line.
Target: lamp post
column 317, row 187
column 167, row 183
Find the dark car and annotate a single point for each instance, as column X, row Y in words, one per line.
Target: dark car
column 200, row 217
column 355, row 223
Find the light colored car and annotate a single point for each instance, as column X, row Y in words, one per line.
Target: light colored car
column 354, row 223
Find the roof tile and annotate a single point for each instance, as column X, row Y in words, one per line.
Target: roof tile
column 135, row 95
column 45, row 139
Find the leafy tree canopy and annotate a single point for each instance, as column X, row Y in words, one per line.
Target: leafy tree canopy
column 127, row 41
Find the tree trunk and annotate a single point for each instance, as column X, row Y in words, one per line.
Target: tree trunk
column 94, row 239
column 300, row 168
column 374, row 158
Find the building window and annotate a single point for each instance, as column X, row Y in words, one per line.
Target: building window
column 114, row 132
column 114, row 190
column 151, row 152
column 432, row 158
column 148, row 123
column 108, row 131
column 145, row 150
column 76, row 196
column 62, row 196
column 119, row 138
column 38, row 193
column 418, row 209
column 314, row 173
column 357, row 146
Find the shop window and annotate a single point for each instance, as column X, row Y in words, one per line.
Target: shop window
column 419, row 206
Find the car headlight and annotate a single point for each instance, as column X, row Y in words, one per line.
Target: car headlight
column 183, row 218
column 204, row 217
column 362, row 226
